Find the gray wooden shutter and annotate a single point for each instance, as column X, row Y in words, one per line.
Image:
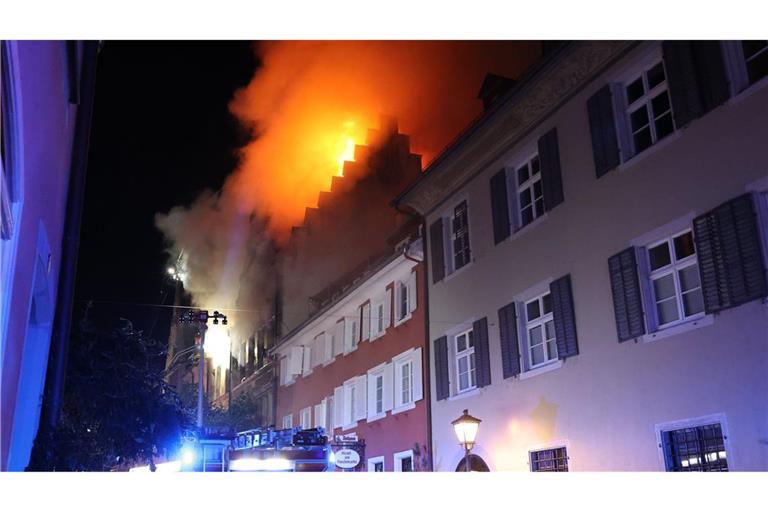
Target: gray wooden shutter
column 510, row 353
column 564, row 317
column 442, row 388
column 625, row 288
column 482, row 353
column 500, row 206
column 436, row 248
column 551, row 176
column 602, row 127
column 696, row 76
column 730, row 258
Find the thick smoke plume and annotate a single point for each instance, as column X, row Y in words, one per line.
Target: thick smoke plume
column 307, row 106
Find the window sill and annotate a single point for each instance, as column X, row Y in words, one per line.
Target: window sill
column 403, row 408
column 457, row 272
column 679, row 328
column 403, row 320
column 748, row 91
column 541, row 369
column 375, row 417
column 647, row 153
column 465, row 394
column 307, row 374
column 330, row 361
column 529, row 227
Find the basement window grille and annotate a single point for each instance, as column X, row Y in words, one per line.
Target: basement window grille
column 552, row 460
column 700, row 448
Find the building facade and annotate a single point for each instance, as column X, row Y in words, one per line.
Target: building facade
column 46, row 92
column 358, row 367
column 597, row 254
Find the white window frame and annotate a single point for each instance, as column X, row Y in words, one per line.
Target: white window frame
column 398, row 458
column 644, row 101
column 384, row 371
column 452, row 237
column 449, row 262
column 517, row 188
column 468, row 352
column 540, row 322
column 377, row 319
column 288, row 421
column 673, row 268
column 372, row 461
column 736, row 64
column 305, row 417
column 551, row 446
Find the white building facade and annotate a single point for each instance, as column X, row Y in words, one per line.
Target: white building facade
column 596, row 257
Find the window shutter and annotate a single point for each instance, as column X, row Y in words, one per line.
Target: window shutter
column 371, row 394
column 412, row 291
column 307, row 361
column 482, row 356
column 731, row 264
column 696, row 76
column 360, row 401
column 551, row 175
column 284, row 378
column 442, row 389
column 328, row 340
column 387, row 309
column 500, row 206
column 366, row 322
column 510, row 352
column 418, row 385
column 436, row 248
column 295, row 363
column 602, row 127
column 348, row 345
column 338, row 407
column 564, row 317
column 389, row 389
column 625, row 289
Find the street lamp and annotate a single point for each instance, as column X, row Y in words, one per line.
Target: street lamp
column 466, row 430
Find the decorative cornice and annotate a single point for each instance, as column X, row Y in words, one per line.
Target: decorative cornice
column 528, row 105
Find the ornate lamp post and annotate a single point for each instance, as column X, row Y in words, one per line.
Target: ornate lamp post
column 466, row 430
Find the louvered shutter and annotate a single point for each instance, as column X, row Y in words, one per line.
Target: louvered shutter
column 327, row 342
column 307, row 360
column 338, row 407
column 625, row 289
column 696, row 77
column 360, row 397
column 436, row 248
column 366, row 321
column 338, row 338
column 564, row 317
column 442, row 385
column 412, row 291
column 295, row 362
column 500, row 207
column 551, row 174
column 602, row 128
column 731, row 264
column 371, row 394
column 418, row 385
column 387, row 309
column 510, row 352
column 389, row 387
column 482, row 355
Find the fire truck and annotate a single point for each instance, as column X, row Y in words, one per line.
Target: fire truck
column 267, row 449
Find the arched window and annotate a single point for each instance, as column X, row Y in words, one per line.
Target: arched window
column 476, row 463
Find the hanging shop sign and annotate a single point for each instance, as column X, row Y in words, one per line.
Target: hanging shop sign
column 347, row 458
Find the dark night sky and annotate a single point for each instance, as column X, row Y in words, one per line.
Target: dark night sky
column 161, row 133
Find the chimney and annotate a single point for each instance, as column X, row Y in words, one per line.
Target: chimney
column 493, row 88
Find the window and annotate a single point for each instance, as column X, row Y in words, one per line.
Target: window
column 288, row 421
column 376, row 464
column 305, row 417
column 648, row 107
column 407, row 379
column 530, row 195
column 380, row 391
column 404, row 461
column 698, row 448
column 755, row 59
column 552, row 460
column 460, row 236
column 674, row 279
column 405, row 373
column 6, row 184
column 405, row 298
column 465, row 360
column 377, row 322
column 540, row 331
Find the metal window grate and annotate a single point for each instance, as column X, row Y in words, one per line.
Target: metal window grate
column 553, row 460
column 700, row 448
